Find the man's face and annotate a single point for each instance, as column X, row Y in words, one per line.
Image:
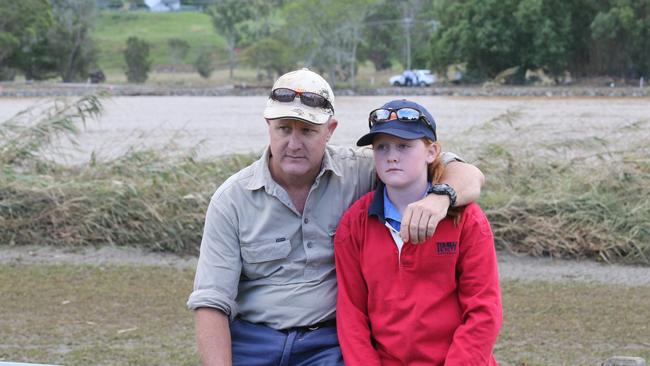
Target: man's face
column 297, row 147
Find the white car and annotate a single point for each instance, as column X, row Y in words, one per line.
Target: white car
column 419, row 77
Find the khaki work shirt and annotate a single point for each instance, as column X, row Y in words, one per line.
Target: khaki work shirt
column 265, row 262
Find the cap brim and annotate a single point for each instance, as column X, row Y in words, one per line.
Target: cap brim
column 296, row 110
column 406, row 135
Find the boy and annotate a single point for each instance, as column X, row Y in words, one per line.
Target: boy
column 398, row 303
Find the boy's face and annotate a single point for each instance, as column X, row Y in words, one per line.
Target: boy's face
column 402, row 163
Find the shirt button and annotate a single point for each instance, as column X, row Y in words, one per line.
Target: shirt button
column 306, row 220
column 309, row 244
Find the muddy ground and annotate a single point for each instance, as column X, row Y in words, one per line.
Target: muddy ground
column 511, row 267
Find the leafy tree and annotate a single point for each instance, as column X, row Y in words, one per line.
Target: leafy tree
column 23, row 27
column 581, row 44
column 382, row 40
column 479, row 32
column 494, row 35
column 69, row 38
column 621, row 37
column 137, row 59
column 543, row 34
column 227, row 18
column 328, row 33
column 266, row 20
column 38, row 62
column 271, row 55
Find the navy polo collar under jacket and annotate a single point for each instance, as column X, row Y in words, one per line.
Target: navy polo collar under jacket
column 377, row 205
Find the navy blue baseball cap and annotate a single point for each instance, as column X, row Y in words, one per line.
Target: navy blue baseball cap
column 408, row 130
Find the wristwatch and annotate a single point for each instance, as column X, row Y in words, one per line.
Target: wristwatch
column 444, row 188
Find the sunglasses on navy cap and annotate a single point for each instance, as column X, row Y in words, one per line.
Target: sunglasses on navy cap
column 406, row 114
column 314, row 100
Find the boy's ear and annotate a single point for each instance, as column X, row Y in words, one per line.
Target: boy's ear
column 433, row 150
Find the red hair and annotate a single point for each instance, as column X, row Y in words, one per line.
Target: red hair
column 435, row 170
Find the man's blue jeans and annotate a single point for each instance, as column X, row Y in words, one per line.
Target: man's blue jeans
column 259, row 345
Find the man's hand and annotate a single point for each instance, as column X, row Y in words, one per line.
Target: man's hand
column 421, row 218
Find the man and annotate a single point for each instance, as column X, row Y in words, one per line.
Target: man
column 410, row 78
column 265, row 285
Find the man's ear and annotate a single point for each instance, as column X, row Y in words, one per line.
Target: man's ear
column 331, row 126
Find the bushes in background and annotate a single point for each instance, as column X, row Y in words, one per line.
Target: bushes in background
column 137, row 59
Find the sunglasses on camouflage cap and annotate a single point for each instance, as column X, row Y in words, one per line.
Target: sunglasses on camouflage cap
column 286, row 95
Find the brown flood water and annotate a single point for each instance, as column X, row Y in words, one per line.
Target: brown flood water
column 224, row 125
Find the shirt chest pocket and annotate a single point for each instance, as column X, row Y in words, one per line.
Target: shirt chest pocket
column 264, row 258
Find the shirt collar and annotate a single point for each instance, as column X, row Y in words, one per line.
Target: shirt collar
column 390, row 211
column 329, row 164
column 383, row 208
column 262, row 174
column 377, row 205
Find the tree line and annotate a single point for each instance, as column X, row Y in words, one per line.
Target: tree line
column 46, row 38
column 583, row 37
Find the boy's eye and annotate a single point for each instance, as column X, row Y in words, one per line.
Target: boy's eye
column 403, row 146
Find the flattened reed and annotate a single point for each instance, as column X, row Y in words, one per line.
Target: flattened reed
column 584, row 196
column 143, row 198
column 571, row 197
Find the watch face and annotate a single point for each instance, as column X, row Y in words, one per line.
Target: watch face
column 440, row 189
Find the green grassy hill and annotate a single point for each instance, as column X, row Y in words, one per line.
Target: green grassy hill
column 114, row 28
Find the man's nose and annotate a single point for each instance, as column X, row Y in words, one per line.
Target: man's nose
column 294, row 141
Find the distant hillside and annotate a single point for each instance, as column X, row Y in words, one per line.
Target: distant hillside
column 114, row 28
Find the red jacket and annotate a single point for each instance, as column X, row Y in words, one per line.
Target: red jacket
column 439, row 303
